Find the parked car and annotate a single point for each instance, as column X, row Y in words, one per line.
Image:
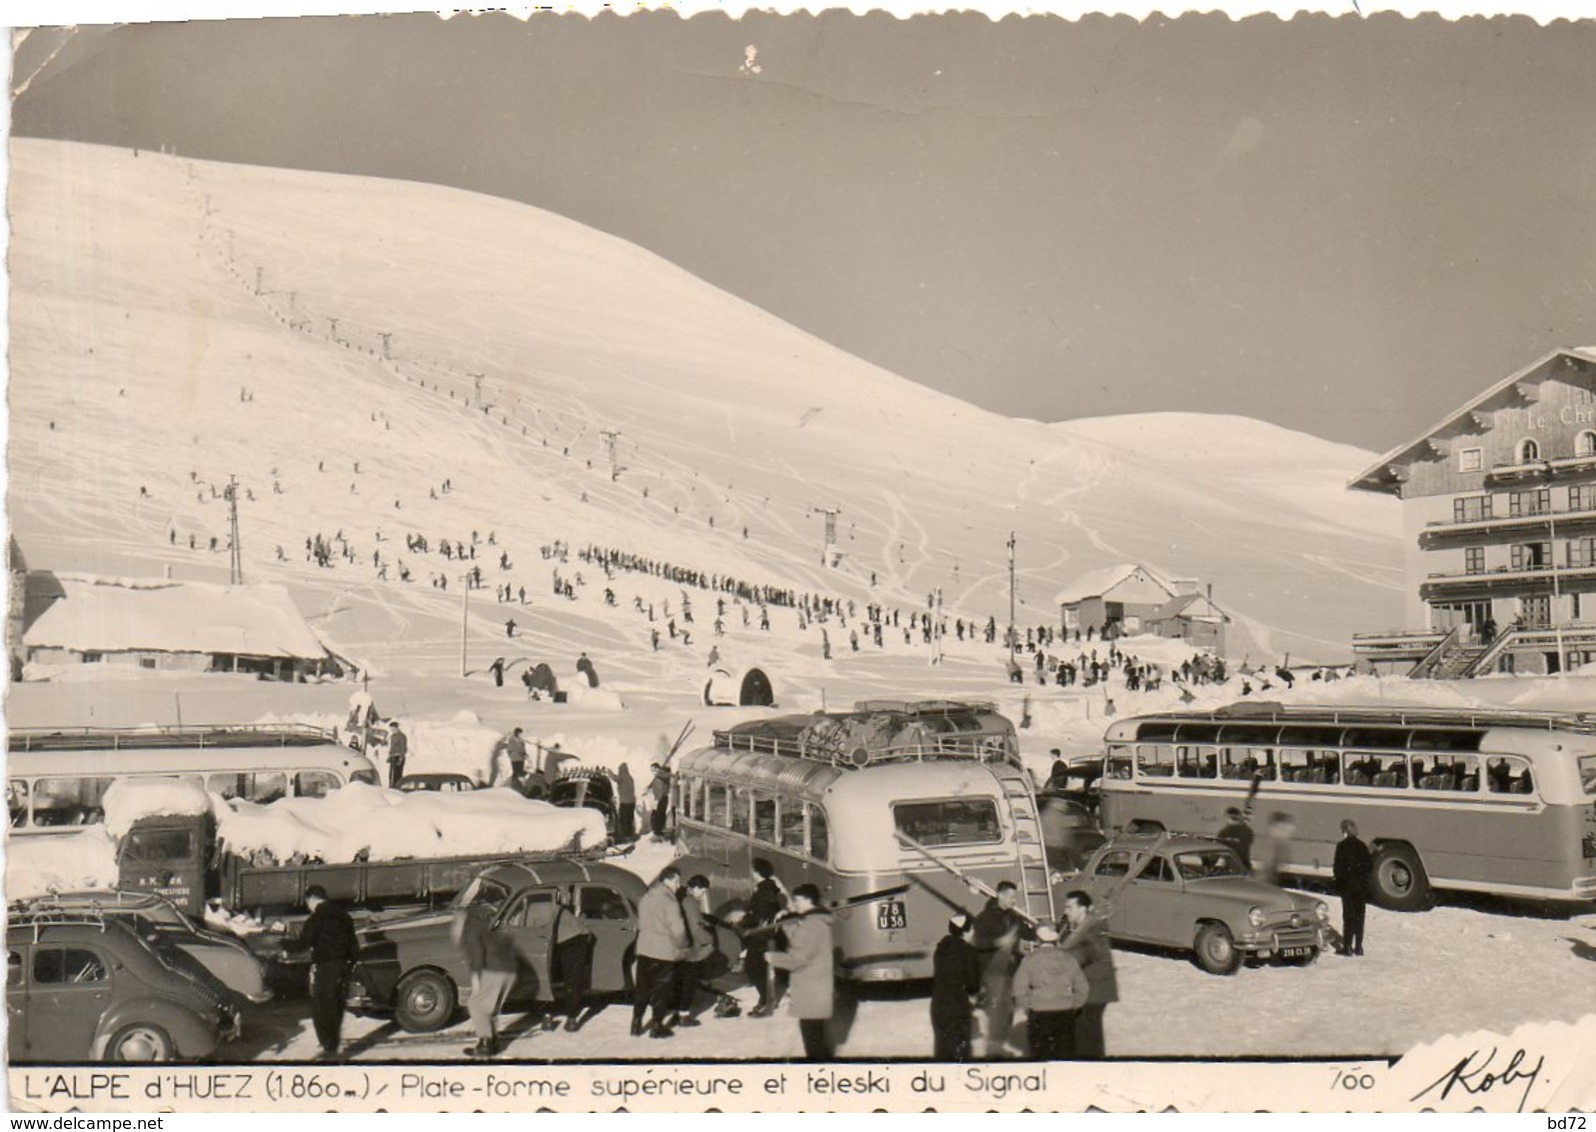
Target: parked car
column 83, row 986
column 411, row 968
column 439, row 781
column 1193, row 894
column 158, row 921
column 589, row 787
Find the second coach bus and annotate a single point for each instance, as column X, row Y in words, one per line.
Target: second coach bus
column 900, row 813
column 1500, row 802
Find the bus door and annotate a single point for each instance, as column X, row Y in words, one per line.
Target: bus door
column 170, row 857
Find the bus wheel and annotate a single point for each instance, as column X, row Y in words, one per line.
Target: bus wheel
column 1399, row 881
column 424, row 1001
column 1216, row 950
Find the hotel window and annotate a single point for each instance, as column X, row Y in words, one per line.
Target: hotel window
column 1474, row 560
column 1471, row 509
column 1470, row 459
column 1581, row 497
column 1537, row 502
column 1532, row 556
column 1528, row 451
column 1585, row 444
column 1582, row 553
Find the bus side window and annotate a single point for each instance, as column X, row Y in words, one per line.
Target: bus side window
column 792, row 826
column 315, row 783
column 717, row 808
column 1293, row 766
column 17, row 801
column 765, row 820
column 1196, row 762
column 739, row 810
column 819, row 834
column 1119, row 762
column 69, row 801
column 1504, row 774
column 1154, row 760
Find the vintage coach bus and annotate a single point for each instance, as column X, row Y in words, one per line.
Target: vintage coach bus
column 1500, row 802
column 892, row 810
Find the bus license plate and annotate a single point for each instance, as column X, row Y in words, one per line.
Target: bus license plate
column 890, row 916
column 1295, row 952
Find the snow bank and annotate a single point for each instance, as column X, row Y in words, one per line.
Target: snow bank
column 387, row 825
column 598, row 699
column 462, row 745
column 60, row 863
column 130, row 799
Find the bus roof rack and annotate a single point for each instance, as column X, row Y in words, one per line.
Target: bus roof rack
column 165, row 738
column 1275, row 712
column 881, row 731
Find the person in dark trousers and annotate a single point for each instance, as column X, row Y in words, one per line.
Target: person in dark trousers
column 955, row 981
column 1088, row 943
column 1051, row 987
column 1353, row 867
column 515, row 751
column 661, row 944
column 1237, row 833
column 626, row 804
column 700, row 946
column 573, row 961
column 812, row 977
column 398, row 749
column 490, row 957
column 659, row 797
column 998, row 930
column 767, row 903
column 329, row 936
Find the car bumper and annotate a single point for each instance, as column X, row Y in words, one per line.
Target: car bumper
column 1274, row 941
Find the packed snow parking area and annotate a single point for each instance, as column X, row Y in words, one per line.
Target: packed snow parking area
column 528, row 444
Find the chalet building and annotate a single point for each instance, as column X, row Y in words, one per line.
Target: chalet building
column 1499, row 507
column 1128, row 599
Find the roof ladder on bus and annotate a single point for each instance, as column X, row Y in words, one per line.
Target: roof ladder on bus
column 1036, row 889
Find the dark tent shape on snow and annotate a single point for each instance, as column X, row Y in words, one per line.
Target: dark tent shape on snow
column 540, row 679
column 751, row 689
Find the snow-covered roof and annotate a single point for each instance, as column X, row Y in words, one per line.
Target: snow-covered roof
column 118, row 615
column 1380, row 477
column 1095, row 583
column 1183, row 605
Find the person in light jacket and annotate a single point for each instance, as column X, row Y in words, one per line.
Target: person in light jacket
column 1050, row 986
column 700, row 946
column 661, row 944
column 808, row 960
column 1088, row 943
column 490, row 957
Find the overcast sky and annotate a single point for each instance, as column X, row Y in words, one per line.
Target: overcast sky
column 1347, row 227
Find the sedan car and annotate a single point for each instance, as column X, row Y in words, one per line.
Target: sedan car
column 80, row 986
column 1193, row 894
column 409, row 965
column 161, row 923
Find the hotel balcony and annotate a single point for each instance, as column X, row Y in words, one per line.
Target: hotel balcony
column 1396, row 645
column 1575, row 468
column 1444, row 532
column 1579, row 573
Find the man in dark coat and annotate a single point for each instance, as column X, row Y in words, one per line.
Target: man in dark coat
column 329, row 936
column 1353, row 867
column 1237, row 833
column 626, row 804
column 955, row 981
column 768, row 902
column 1088, row 942
column 398, row 750
column 998, row 930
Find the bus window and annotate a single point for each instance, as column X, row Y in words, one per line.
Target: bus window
column 819, row 834
column 1155, row 760
column 739, row 811
column 69, row 801
column 765, row 820
column 1504, row 774
column 1324, row 767
column 718, row 805
column 17, row 802
column 261, row 787
column 1294, row 766
column 1246, row 763
column 1446, row 772
column 1196, row 762
column 792, row 826
column 1119, row 762
column 1370, row 768
column 693, row 795
column 315, row 783
column 955, row 821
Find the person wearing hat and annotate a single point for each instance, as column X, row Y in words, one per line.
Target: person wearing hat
column 1237, row 833
column 955, row 982
column 398, row 749
column 808, row 959
column 329, row 936
column 1050, row 987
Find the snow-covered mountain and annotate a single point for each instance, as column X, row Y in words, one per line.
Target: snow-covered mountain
column 175, row 323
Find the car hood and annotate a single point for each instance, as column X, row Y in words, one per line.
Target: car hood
column 404, row 923
column 1250, row 891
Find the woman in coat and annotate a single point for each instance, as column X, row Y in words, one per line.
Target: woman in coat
column 808, row 960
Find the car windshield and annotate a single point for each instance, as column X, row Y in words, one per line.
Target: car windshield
column 1209, row 863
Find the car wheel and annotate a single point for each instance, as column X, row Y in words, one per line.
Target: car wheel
column 1216, row 950
column 1399, row 881
column 424, row 1001
column 140, row 1042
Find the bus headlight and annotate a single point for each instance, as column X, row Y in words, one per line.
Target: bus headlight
column 1322, row 911
column 1255, row 917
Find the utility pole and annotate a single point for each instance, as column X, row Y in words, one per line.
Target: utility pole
column 1012, row 634
column 831, row 514
column 235, row 566
column 1557, row 596
column 610, row 437
column 936, row 630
